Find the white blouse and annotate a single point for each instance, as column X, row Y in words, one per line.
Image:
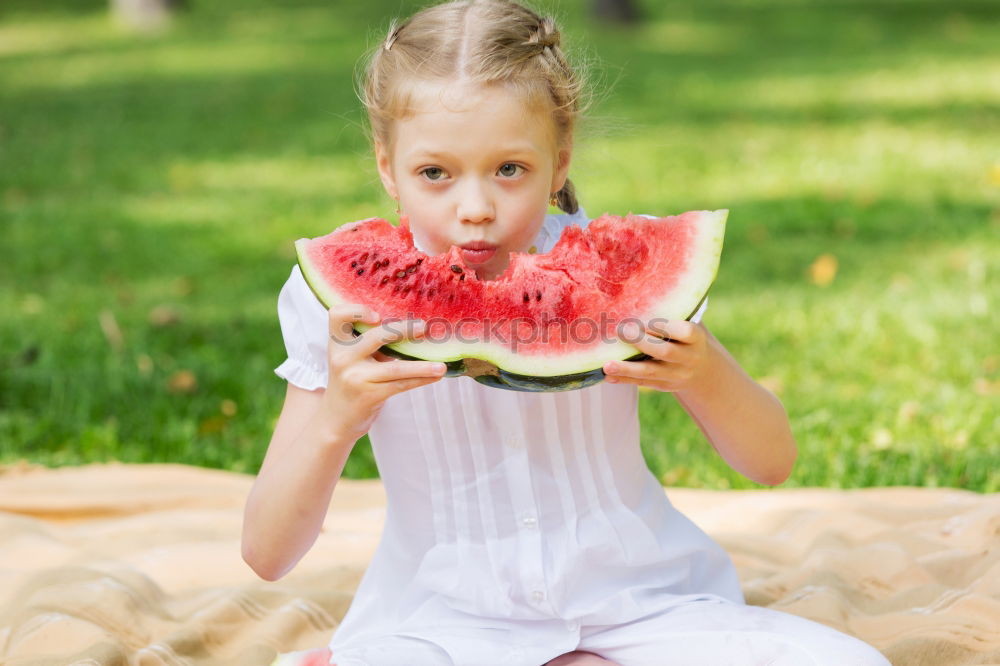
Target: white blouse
column 511, row 506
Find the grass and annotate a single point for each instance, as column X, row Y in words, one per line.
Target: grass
column 151, row 188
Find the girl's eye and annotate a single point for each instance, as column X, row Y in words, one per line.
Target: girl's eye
column 510, row 172
column 432, row 173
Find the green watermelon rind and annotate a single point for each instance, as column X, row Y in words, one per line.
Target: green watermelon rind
column 564, row 372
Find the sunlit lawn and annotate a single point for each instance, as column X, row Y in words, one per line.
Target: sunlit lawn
column 151, row 188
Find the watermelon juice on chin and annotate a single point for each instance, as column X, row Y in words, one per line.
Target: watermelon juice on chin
column 549, row 321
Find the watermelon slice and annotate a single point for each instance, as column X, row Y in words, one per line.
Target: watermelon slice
column 313, row 657
column 550, row 321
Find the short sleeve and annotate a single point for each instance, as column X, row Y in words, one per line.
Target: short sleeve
column 305, row 328
column 553, row 227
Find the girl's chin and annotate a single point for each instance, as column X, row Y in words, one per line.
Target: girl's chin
column 489, row 271
column 486, row 274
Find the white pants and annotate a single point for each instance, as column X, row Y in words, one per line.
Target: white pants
column 722, row 633
column 714, row 632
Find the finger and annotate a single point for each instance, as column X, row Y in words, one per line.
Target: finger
column 676, row 330
column 389, row 389
column 657, row 385
column 404, row 370
column 388, row 332
column 648, row 370
column 342, row 318
column 652, row 345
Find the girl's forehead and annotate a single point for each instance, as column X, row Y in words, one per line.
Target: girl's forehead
column 471, row 117
column 468, row 97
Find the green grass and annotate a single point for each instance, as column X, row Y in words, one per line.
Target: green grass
column 156, row 185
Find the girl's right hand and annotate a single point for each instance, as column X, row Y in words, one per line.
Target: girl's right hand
column 360, row 377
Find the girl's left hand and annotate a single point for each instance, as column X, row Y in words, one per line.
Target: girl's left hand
column 680, row 354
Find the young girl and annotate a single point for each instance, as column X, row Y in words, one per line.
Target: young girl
column 521, row 528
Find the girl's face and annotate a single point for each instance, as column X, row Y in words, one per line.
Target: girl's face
column 473, row 166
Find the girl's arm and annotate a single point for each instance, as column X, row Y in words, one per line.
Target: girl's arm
column 744, row 422
column 289, row 499
column 315, row 433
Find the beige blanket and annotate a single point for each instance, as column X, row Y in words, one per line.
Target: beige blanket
column 140, row 564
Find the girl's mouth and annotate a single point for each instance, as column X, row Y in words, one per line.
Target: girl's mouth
column 478, row 253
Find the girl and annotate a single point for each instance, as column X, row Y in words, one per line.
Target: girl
column 521, row 529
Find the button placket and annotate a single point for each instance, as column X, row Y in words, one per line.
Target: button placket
column 529, row 539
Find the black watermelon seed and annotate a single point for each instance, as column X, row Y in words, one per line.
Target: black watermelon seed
column 461, row 278
column 353, row 264
column 385, row 262
column 456, row 268
column 354, row 229
column 419, row 260
column 538, row 295
column 360, row 271
column 526, row 298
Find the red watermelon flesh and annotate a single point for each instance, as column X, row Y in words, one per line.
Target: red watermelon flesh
column 547, row 315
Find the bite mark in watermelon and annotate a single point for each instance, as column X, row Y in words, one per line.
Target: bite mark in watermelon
column 550, row 321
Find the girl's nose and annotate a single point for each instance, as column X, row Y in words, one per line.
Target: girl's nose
column 476, row 204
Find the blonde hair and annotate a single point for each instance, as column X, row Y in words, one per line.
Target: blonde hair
column 479, row 41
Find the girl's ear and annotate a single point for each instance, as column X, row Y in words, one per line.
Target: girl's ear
column 563, row 158
column 382, row 159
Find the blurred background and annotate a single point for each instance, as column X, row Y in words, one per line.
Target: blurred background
column 158, row 161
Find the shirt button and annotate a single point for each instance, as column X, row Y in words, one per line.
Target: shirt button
column 529, row 521
column 512, row 440
column 538, row 595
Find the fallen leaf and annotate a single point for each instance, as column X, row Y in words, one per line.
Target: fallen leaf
column 995, row 174
column 163, row 315
column 907, row 411
column 211, row 425
column 112, row 332
column 984, row 386
column 675, row 476
column 182, row 381
column 823, row 269
column 144, row 364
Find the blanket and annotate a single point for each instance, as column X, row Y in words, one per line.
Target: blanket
column 140, row 564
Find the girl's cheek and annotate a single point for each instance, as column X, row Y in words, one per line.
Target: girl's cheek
column 436, row 243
